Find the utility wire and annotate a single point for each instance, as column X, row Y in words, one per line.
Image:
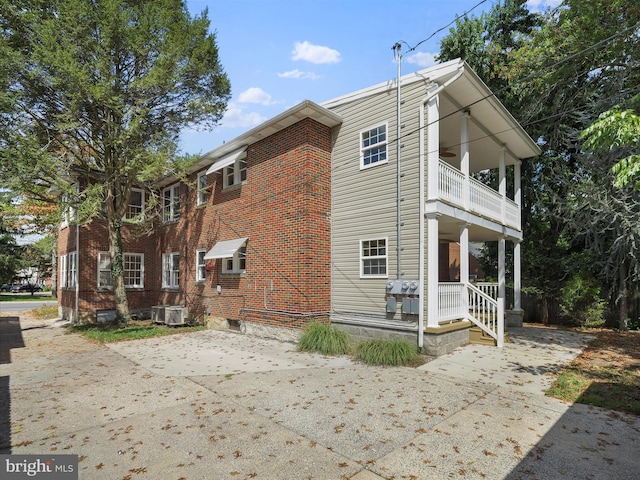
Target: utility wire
column 411, row 49
column 526, row 78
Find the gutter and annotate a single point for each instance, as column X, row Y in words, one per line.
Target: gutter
column 421, row 199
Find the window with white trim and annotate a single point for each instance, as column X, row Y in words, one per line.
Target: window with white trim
column 133, row 264
column 68, row 270
column 373, row 258
column 236, row 173
column 68, row 209
column 237, row 263
column 202, row 186
column 171, row 270
column 63, row 271
column 201, row 264
column 136, row 204
column 171, row 203
column 373, row 146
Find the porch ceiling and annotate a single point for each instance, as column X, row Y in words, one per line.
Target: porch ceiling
column 491, row 126
column 479, row 230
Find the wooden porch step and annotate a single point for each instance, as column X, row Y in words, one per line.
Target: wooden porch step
column 477, row 336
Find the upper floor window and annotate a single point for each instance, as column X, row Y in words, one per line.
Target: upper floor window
column 201, row 271
column 171, row 203
column 171, row 270
column 373, row 146
column 235, row 173
column 203, row 191
column 136, row 204
column 237, row 263
column 133, row 270
column 68, row 208
column 373, row 258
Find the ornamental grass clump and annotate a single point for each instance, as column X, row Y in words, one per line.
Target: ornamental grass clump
column 325, row 339
column 390, row 353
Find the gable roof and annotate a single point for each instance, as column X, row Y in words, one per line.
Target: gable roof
column 467, row 91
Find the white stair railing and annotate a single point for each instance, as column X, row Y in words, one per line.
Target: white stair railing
column 484, row 312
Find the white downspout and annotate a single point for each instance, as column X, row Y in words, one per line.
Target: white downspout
column 422, row 200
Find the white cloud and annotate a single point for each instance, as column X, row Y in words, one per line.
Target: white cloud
column 422, row 59
column 237, row 117
column 314, row 53
column 298, row 74
column 255, row 95
column 539, row 5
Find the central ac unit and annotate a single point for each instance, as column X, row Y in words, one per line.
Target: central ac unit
column 158, row 313
column 175, row 315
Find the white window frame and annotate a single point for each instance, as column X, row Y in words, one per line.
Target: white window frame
column 69, row 276
column 372, row 146
column 127, row 258
column 133, row 209
column 171, row 272
column 236, row 173
column 63, row 271
column 69, row 213
column 202, row 188
column 171, row 209
column 201, row 265
column 237, row 263
column 364, row 257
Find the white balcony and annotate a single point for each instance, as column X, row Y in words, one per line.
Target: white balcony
column 473, row 196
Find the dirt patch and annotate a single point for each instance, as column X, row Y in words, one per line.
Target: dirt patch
column 606, row 374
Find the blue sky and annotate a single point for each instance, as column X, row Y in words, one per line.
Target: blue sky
column 278, row 53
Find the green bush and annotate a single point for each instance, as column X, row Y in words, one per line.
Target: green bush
column 386, row 352
column 324, row 338
column 581, row 302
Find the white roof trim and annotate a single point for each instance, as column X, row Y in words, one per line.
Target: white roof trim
column 225, row 249
column 227, row 160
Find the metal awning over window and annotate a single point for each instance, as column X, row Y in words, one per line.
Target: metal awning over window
column 227, row 160
column 225, row 249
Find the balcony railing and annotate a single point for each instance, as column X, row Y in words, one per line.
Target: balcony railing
column 476, row 197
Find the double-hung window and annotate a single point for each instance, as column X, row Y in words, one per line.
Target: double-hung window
column 237, row 263
column 63, row 271
column 68, row 270
column 373, row 146
column 171, row 270
column 133, row 264
column 236, row 173
column 201, row 271
column 203, row 192
column 373, row 258
column 171, row 203
column 136, row 204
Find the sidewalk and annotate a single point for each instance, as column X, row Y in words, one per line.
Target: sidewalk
column 219, row 405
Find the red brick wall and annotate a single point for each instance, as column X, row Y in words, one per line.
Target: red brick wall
column 283, row 209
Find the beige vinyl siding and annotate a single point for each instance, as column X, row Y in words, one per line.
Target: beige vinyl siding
column 364, row 201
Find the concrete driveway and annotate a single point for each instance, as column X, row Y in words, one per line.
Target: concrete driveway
column 219, row 405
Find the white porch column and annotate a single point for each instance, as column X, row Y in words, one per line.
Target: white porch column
column 517, row 191
column 501, row 289
column 517, row 304
column 464, row 253
column 433, row 147
column 503, row 183
column 464, row 156
column 432, row 270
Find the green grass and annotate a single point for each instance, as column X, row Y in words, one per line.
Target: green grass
column 25, row 297
column 325, row 339
column 133, row 331
column 387, row 353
